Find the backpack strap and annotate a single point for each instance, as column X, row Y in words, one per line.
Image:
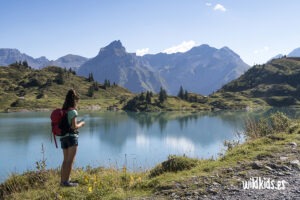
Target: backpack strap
column 55, row 140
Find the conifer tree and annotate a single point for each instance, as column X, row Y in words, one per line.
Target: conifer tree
column 148, row 97
column 181, row 93
column 162, row 95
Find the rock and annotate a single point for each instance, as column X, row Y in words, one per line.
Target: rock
column 286, row 168
column 293, row 144
column 268, row 168
column 256, row 165
column 280, row 174
column 215, row 184
column 295, row 163
column 212, row 191
column 283, row 158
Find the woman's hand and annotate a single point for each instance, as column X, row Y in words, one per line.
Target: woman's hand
column 77, row 125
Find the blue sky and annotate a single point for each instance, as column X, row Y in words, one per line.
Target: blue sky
column 255, row 29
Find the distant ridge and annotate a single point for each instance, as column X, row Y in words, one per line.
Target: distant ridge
column 202, row 69
column 9, row 56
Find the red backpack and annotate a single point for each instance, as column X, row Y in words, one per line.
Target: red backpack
column 59, row 123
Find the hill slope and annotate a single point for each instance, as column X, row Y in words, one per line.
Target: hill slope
column 26, row 88
column 277, row 83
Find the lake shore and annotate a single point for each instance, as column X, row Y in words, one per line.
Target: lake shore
column 274, row 156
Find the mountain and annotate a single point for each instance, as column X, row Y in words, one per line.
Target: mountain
column 295, row 53
column 68, row 61
column 276, row 83
column 9, row 56
column 113, row 63
column 276, row 57
column 202, row 69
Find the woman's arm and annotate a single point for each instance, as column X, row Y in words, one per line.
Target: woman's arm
column 76, row 125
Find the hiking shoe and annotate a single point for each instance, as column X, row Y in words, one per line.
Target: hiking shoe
column 75, row 181
column 68, row 184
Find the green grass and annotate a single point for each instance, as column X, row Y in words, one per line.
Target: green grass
column 25, row 88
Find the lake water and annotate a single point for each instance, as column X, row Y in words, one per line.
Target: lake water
column 137, row 140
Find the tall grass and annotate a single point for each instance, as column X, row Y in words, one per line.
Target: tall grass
column 276, row 123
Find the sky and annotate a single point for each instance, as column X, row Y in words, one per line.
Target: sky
column 257, row 30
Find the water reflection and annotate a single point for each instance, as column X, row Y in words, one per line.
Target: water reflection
column 139, row 139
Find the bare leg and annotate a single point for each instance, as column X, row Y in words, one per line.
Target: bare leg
column 66, row 168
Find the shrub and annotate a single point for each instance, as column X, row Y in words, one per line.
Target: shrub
column 280, row 122
column 174, row 164
column 277, row 122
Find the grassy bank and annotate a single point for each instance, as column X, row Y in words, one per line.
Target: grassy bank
column 264, row 139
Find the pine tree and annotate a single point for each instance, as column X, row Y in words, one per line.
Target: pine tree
column 106, row 83
column 162, row 95
column 92, row 77
column 181, row 93
column 142, row 97
column 148, row 97
column 60, row 78
column 25, row 63
column 91, row 91
column 186, row 96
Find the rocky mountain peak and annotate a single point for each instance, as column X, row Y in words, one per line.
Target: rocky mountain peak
column 115, row 48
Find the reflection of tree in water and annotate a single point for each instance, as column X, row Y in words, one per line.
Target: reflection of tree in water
column 105, row 120
column 162, row 118
column 143, row 119
column 162, row 123
column 184, row 120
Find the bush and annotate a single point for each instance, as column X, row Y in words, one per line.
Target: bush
column 276, row 123
column 174, row 164
column 280, row 122
column 19, row 183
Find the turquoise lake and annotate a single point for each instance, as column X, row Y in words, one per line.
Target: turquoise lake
column 114, row 139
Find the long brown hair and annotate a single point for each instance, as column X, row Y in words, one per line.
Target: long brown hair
column 71, row 100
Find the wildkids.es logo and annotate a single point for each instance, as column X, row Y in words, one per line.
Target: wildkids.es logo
column 264, row 183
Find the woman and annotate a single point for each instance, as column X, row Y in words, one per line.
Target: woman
column 69, row 142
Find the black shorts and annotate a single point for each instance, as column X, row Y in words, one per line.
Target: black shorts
column 68, row 141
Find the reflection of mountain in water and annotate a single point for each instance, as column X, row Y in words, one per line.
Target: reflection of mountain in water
column 201, row 129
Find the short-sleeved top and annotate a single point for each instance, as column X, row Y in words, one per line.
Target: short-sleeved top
column 71, row 115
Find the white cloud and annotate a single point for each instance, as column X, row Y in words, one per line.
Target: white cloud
column 262, row 50
column 141, row 52
column 219, row 7
column 183, row 47
column 208, row 4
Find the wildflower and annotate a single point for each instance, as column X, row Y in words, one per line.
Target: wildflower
column 86, row 179
column 139, row 179
column 131, row 182
column 90, row 189
column 58, row 196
